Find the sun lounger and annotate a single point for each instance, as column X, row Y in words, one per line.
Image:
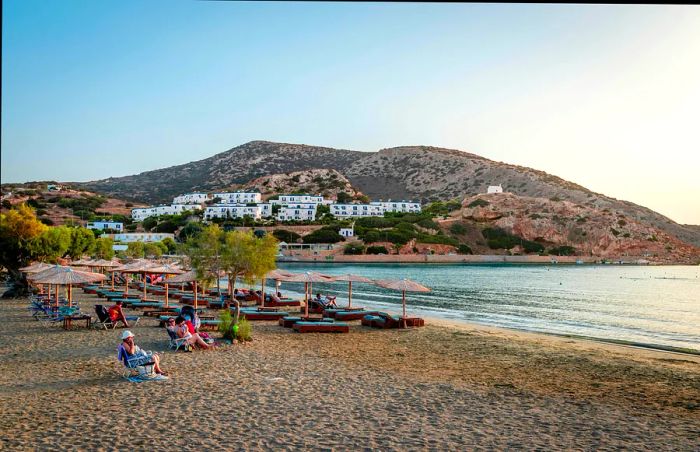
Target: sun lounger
column 351, row 315
column 321, row 327
column 254, row 314
column 288, row 322
column 386, row 321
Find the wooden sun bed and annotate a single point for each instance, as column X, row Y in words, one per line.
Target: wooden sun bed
column 288, row 322
column 263, row 315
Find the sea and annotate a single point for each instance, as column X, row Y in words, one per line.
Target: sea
column 656, row 306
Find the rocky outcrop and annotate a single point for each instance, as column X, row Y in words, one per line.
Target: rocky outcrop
column 316, row 181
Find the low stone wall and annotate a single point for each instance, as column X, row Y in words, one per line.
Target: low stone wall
column 449, row 258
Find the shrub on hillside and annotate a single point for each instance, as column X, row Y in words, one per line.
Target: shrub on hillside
column 284, row 235
column 478, row 203
column 377, row 250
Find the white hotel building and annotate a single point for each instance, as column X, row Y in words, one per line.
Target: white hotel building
column 232, row 211
column 398, row 206
column 297, row 212
column 173, row 209
column 299, row 199
column 356, row 210
column 192, row 198
column 239, row 197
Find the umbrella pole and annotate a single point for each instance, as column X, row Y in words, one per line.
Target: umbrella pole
column 144, row 286
column 127, row 285
column 306, row 298
column 404, row 308
column 112, row 281
column 70, row 296
column 166, row 294
column 56, row 295
column 349, row 294
column 195, row 295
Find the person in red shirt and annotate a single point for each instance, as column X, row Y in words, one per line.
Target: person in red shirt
column 116, row 314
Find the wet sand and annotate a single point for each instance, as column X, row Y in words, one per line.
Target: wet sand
column 445, row 386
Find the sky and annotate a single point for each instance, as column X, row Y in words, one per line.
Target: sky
column 604, row 96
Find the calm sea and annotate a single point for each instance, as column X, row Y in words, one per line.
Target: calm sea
column 651, row 305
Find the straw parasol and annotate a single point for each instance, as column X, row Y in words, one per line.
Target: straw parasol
column 190, row 276
column 103, row 263
column 350, row 278
column 276, row 274
column 167, row 269
column 142, row 267
column 38, row 267
column 308, row 278
column 404, row 285
column 66, row 276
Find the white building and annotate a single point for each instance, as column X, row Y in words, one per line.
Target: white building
column 265, row 210
column 356, row 210
column 173, row 209
column 297, row 212
column 347, row 232
column 239, row 197
column 127, row 237
column 232, row 211
column 101, row 225
column 494, row 189
column 299, row 199
column 399, row 206
column 191, row 198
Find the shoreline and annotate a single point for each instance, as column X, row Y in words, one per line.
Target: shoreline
column 472, row 259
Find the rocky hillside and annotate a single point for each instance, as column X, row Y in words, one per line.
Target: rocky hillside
column 605, row 233
column 417, row 172
column 70, row 205
column 327, row 182
column 239, row 165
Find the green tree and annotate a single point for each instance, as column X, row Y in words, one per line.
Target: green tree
column 170, row 245
column 104, row 248
column 51, row 244
column 204, row 251
column 82, row 242
column 135, row 250
column 154, row 249
column 18, row 227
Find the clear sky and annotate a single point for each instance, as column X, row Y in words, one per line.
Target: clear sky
column 605, row 96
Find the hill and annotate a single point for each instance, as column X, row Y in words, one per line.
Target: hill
column 412, row 172
column 327, row 182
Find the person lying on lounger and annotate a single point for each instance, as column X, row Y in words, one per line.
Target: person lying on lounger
column 116, row 313
column 182, row 331
column 327, row 302
column 133, row 356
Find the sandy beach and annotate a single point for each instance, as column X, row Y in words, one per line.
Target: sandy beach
column 445, row 386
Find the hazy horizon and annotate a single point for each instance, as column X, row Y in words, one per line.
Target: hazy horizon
column 606, row 96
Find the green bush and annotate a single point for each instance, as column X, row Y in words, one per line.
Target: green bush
column 478, row 203
column 428, row 224
column 354, row 248
column 377, row 250
column 563, row 250
column 458, row 229
column 284, row 235
column 464, row 249
column 323, row 235
column 245, row 330
column 497, row 238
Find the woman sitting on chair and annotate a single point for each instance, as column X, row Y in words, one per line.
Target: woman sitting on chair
column 133, row 356
column 182, row 331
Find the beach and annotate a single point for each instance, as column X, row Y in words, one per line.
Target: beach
column 444, row 386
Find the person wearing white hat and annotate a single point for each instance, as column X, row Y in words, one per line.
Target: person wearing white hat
column 132, row 355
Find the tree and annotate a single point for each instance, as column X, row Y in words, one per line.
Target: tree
column 135, row 250
column 18, row 227
column 284, row 235
column 323, row 235
column 154, row 249
column 51, row 244
column 170, row 245
column 82, row 242
column 191, row 229
column 204, row 251
column 104, row 248
column 249, row 257
column 343, row 197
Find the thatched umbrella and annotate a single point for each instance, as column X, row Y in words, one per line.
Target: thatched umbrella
column 190, row 276
column 104, row 263
column 142, row 267
column 66, row 276
column 38, row 267
column 404, row 285
column 308, row 278
column 167, row 269
column 350, row 278
column 276, row 274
